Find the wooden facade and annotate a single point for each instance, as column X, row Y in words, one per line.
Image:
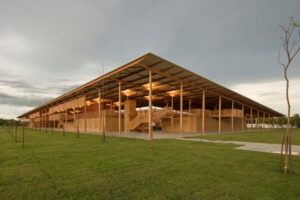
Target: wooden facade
column 146, row 94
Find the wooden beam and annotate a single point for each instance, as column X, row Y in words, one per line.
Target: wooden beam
column 220, row 113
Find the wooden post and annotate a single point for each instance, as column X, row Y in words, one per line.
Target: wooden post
column 172, row 117
column 16, row 134
column 190, row 105
column 40, row 122
column 46, row 123
column 99, row 110
column 150, row 107
column 181, row 107
column 257, row 119
column 203, row 114
column 232, row 122
column 243, row 117
column 23, row 133
column 251, row 117
column 264, row 117
column 120, row 104
column 77, row 126
column 53, row 122
column 66, row 120
column 220, row 113
column 74, row 118
column 85, row 122
column 269, row 120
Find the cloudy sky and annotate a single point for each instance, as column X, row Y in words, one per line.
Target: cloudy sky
column 49, row 47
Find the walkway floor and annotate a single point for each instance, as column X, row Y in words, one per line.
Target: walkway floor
column 250, row 146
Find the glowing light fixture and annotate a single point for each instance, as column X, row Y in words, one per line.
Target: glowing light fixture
column 129, row 92
column 155, row 85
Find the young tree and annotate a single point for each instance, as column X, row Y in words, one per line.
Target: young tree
column 291, row 47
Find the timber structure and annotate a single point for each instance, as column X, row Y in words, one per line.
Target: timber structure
column 146, row 94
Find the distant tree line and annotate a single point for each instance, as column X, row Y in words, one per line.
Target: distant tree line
column 9, row 122
column 295, row 120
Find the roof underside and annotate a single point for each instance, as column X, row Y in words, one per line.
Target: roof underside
column 166, row 77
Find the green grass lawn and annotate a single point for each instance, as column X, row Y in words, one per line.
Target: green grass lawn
column 52, row 166
column 265, row 136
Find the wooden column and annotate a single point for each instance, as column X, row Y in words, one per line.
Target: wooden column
column 232, row 122
column 74, row 120
column 181, row 106
column 190, row 105
column 203, row 112
column 150, row 108
column 220, row 113
column 172, row 117
column 269, row 120
column 251, row 117
column 243, row 117
column 120, row 104
column 99, row 109
column 66, row 120
column 264, row 117
column 257, row 118
column 85, row 123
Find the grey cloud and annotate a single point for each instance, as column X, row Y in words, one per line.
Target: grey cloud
column 230, row 42
column 29, row 101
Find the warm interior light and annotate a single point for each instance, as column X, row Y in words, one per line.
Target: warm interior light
column 102, row 100
column 129, row 92
column 117, row 103
column 153, row 97
column 88, row 102
column 174, row 93
column 155, row 85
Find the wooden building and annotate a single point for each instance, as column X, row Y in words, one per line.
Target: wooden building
column 146, row 94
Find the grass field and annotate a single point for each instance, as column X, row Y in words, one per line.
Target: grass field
column 52, row 166
column 266, row 136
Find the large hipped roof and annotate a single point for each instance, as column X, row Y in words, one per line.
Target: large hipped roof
column 165, row 73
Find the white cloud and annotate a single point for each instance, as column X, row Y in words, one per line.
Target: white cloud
column 272, row 94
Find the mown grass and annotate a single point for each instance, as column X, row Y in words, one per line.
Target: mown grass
column 263, row 136
column 52, row 166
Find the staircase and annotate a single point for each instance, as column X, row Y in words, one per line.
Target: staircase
column 141, row 121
